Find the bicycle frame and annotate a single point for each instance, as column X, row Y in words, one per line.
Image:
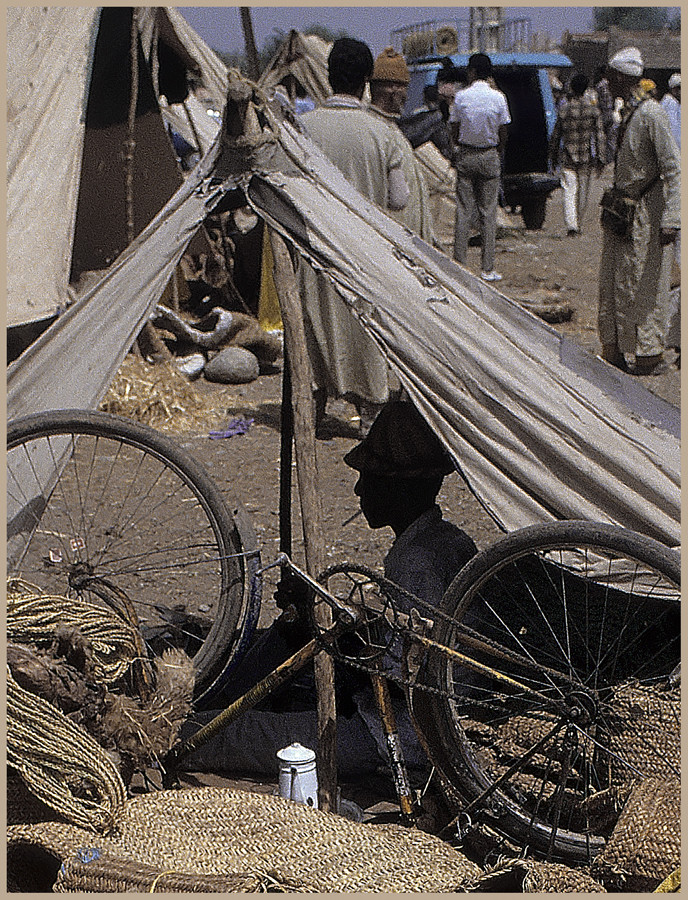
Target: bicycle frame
column 347, row 617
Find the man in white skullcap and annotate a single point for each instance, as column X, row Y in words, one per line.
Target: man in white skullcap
column 635, row 267
column 671, row 102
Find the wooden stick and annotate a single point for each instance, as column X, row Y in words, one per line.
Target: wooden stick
column 250, row 43
column 311, row 508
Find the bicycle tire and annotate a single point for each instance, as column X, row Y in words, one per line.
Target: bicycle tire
column 595, row 649
column 95, row 496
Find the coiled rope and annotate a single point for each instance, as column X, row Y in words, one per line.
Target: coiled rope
column 32, row 617
column 59, row 762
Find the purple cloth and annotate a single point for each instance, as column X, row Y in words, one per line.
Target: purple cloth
column 236, row 426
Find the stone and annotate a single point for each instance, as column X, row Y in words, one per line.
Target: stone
column 234, row 365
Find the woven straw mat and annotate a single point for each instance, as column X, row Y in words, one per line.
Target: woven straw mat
column 531, row 876
column 645, row 845
column 214, row 837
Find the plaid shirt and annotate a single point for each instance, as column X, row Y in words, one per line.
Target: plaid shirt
column 578, row 134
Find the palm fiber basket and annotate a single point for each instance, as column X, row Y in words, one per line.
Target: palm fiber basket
column 645, row 846
column 224, row 840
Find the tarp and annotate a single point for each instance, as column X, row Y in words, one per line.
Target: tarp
column 49, row 52
column 71, row 365
column 50, row 56
column 304, row 56
column 539, row 428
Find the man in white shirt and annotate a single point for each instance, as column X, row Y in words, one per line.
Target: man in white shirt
column 478, row 117
column 671, row 102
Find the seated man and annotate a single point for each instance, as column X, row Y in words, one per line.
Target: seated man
column 402, row 466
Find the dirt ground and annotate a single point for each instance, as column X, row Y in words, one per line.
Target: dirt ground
column 539, row 266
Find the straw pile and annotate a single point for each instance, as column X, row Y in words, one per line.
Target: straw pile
column 531, row 876
column 646, row 844
column 160, row 396
column 220, row 839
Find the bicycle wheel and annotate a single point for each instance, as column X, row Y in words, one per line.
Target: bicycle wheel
column 101, row 505
column 585, row 621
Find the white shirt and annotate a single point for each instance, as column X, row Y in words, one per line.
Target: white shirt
column 479, row 110
column 673, row 108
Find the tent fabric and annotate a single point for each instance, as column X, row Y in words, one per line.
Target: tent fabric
column 209, row 75
column 71, row 365
column 539, row 428
column 305, row 57
column 49, row 52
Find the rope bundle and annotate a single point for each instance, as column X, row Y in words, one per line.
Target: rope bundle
column 59, row 762
column 32, row 617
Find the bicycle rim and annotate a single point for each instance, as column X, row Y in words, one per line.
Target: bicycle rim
column 96, row 501
column 586, row 620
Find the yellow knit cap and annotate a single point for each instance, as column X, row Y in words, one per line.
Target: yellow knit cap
column 391, row 66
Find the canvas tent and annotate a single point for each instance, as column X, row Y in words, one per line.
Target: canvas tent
column 304, row 58
column 70, row 207
column 539, row 428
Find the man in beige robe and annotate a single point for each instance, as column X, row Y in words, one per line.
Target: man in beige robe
column 635, row 272
column 346, row 361
column 388, row 93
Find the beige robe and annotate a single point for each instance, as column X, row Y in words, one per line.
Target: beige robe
column 634, row 304
column 346, row 361
column 417, row 214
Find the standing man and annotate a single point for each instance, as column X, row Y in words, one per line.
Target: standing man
column 605, row 104
column 346, row 362
column 578, row 142
column 671, row 102
column 635, row 268
column 479, row 117
column 388, row 92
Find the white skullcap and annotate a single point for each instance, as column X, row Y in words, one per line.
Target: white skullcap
column 628, row 61
column 675, row 80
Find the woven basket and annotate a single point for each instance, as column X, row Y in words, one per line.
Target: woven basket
column 645, row 846
column 530, row 876
column 219, row 839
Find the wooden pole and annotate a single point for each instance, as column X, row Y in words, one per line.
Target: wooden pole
column 250, row 42
column 241, row 120
column 311, row 508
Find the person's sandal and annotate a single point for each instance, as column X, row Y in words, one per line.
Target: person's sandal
column 650, row 365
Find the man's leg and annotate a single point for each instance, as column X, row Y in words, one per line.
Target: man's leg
column 606, row 316
column 487, row 198
column 583, row 174
column 569, row 183
column 464, row 208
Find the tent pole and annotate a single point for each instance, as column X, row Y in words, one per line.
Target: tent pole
column 250, row 42
column 311, row 509
column 286, row 456
column 148, row 343
column 241, row 121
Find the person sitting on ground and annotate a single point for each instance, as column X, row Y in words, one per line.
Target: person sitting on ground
column 401, row 465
